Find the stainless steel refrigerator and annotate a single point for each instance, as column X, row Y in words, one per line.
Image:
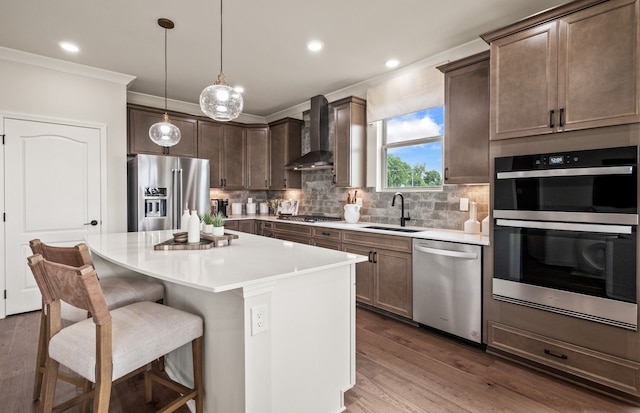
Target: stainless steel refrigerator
column 160, row 187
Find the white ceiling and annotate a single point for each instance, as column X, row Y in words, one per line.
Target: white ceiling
column 264, row 41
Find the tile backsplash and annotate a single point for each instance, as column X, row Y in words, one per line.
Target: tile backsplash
column 433, row 209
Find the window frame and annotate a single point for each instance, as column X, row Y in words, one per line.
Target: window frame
column 384, row 146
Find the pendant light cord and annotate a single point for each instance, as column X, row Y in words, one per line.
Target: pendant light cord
column 220, row 36
column 165, row 70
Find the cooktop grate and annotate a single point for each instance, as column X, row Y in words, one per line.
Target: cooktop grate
column 309, row 218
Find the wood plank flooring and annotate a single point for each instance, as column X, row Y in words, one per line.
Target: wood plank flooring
column 399, row 369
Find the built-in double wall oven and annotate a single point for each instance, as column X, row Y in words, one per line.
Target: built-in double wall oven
column 565, row 233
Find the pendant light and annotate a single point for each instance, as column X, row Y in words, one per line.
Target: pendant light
column 165, row 133
column 220, row 101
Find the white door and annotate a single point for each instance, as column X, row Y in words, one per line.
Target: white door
column 52, row 192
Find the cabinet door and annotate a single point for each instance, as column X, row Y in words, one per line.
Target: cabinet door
column 139, row 122
column 233, row 162
column 393, row 282
column 210, row 139
column 597, row 62
column 349, row 151
column 364, row 274
column 258, row 158
column 285, row 146
column 466, row 136
column 524, row 83
column 247, row 225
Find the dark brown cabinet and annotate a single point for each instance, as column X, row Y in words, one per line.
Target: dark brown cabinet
column 569, row 68
column 257, row 157
column 224, row 145
column 466, row 120
column 140, row 119
column 385, row 281
column 285, row 146
column 349, row 153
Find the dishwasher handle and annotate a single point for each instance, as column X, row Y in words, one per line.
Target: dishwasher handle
column 448, row 253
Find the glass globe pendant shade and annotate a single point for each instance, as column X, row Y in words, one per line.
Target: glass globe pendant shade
column 164, row 133
column 220, row 101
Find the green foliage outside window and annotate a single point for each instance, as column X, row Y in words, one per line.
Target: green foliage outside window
column 400, row 174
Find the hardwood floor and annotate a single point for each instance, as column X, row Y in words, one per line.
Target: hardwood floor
column 399, row 369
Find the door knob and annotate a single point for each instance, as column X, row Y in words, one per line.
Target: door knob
column 92, row 223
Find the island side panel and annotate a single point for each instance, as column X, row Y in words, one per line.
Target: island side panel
column 312, row 341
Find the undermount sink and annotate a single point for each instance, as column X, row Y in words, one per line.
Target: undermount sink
column 397, row 229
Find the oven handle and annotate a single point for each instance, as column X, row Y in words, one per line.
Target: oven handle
column 545, row 173
column 447, row 253
column 565, row 226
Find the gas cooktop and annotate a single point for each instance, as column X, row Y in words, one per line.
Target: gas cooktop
column 309, row 218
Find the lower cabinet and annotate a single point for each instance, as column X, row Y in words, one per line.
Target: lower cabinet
column 610, row 371
column 292, row 232
column 242, row 225
column 385, row 281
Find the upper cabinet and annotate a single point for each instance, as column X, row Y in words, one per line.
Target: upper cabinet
column 257, row 157
column 224, row 145
column 285, row 147
column 349, row 153
column 466, row 120
column 140, row 120
column 572, row 67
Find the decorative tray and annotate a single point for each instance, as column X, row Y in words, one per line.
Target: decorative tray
column 207, row 241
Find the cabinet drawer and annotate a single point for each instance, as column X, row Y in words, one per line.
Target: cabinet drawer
column 326, row 233
column 598, row 367
column 396, row 243
column 292, row 228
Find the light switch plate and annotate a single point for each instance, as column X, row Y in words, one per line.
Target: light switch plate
column 464, row 204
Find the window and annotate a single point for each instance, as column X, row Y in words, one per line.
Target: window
column 412, row 150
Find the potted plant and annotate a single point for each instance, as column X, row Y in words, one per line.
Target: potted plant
column 218, row 224
column 207, row 219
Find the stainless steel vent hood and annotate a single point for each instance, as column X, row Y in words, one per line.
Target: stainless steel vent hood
column 320, row 157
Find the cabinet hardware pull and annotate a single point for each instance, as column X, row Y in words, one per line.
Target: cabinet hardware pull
column 221, row 182
column 562, row 117
column 375, row 257
column 285, row 182
column 266, row 183
column 326, row 233
column 333, row 179
column 370, row 256
column 552, row 354
column 551, row 113
column 446, row 173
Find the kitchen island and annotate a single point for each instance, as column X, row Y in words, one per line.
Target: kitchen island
column 279, row 317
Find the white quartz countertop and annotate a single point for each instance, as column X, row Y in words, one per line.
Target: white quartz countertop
column 421, row 232
column 250, row 259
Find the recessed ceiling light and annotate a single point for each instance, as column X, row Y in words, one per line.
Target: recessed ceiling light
column 315, row 45
column 69, row 47
column 392, row 63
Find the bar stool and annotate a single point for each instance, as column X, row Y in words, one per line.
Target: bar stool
column 113, row 345
column 118, row 291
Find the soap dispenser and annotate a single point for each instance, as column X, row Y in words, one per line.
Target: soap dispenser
column 472, row 226
column 193, row 235
column 184, row 221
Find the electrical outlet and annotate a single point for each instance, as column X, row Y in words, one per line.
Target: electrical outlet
column 464, row 204
column 259, row 319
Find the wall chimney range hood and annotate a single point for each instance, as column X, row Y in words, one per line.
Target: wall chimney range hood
column 320, row 157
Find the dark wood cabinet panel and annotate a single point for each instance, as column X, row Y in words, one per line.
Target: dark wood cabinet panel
column 385, row 281
column 523, row 82
column 224, row 146
column 570, row 68
column 349, row 153
column 285, row 146
column 466, row 118
column 257, row 158
column 140, row 119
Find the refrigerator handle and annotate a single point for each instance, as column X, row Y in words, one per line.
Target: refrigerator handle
column 177, row 198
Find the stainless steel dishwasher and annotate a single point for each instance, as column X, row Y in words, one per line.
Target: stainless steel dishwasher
column 447, row 287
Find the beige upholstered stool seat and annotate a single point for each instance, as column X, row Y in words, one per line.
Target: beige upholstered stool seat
column 142, row 332
column 118, row 291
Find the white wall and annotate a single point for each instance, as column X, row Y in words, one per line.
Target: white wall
column 48, row 88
